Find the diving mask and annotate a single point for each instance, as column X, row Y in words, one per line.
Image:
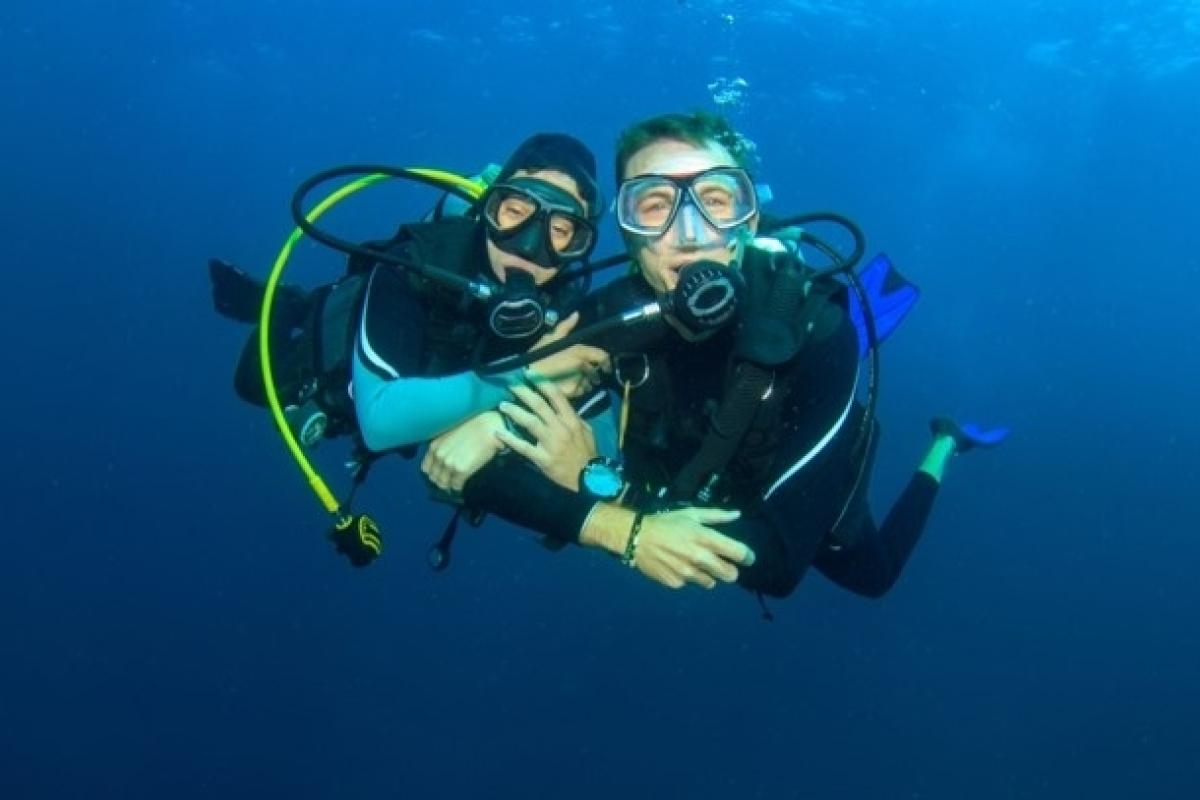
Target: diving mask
column 538, row 221
column 724, row 197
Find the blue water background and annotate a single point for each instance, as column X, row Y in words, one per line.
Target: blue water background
column 173, row 625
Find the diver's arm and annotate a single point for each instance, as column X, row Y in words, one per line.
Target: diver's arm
column 552, row 434
column 514, row 490
column 674, row 548
column 397, row 411
column 452, row 458
column 393, row 407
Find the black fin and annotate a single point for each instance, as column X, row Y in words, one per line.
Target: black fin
column 236, row 295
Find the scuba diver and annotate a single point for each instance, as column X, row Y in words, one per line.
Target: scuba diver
column 746, row 449
column 387, row 353
column 412, row 376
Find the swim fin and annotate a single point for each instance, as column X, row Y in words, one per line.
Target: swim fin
column 890, row 297
column 968, row 435
column 239, row 296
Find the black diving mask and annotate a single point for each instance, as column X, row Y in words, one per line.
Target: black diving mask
column 538, row 221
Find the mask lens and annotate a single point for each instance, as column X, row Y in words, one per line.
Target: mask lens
column 646, row 205
column 507, row 209
column 726, row 197
column 570, row 236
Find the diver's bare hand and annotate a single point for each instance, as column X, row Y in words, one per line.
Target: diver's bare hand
column 680, row 547
column 462, row 451
column 575, row 370
column 674, row 548
column 563, row 441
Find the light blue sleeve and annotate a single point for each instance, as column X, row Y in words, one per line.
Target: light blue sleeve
column 394, row 412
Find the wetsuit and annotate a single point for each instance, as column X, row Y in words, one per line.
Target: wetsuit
column 794, row 471
column 792, row 475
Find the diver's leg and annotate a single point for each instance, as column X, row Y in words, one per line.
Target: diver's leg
column 874, row 559
column 934, row 463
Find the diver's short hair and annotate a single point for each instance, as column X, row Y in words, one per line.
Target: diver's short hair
column 699, row 128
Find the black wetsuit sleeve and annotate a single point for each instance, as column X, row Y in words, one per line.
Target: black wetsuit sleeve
column 517, row 492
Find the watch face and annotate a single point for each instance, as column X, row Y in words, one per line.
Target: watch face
column 602, row 479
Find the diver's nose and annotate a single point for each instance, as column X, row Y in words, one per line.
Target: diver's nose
column 691, row 229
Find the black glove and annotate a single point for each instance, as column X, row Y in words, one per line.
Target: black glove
column 771, row 330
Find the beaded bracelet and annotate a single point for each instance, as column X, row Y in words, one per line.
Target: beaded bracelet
column 629, row 557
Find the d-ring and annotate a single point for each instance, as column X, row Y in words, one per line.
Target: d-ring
column 618, row 372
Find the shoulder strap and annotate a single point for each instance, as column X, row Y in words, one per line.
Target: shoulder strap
column 726, row 430
column 751, row 386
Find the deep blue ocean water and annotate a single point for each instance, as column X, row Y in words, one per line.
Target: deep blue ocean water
column 172, row 623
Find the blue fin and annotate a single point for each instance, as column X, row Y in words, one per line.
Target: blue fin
column 891, row 297
column 968, row 435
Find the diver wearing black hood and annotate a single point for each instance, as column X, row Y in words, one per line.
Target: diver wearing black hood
column 412, row 376
column 388, row 353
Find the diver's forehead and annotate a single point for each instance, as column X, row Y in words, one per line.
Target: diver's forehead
column 672, row 157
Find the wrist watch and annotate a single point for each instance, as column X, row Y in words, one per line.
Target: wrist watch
column 602, row 478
